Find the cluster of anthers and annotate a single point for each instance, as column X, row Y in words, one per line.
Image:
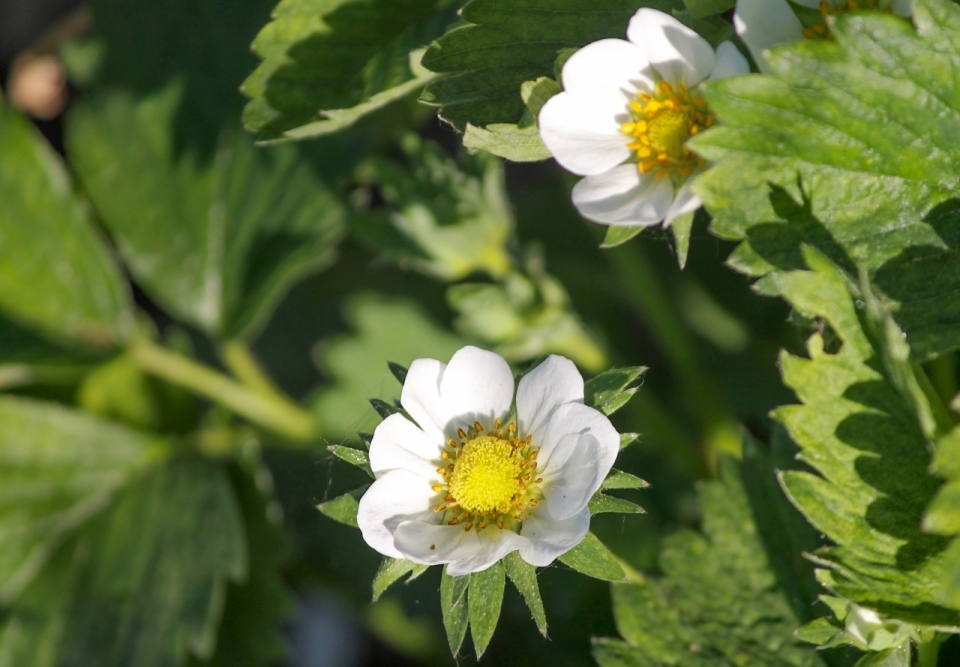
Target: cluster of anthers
column 822, row 31
column 489, row 478
column 660, row 126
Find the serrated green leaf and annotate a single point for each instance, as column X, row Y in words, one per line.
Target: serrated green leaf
column 353, row 456
column 58, row 468
column 344, row 508
column 256, row 608
column 331, row 61
column 524, row 577
column 56, row 273
column 393, row 570
column 610, row 391
column 617, row 479
column 719, row 602
column 485, row 600
column 453, row 604
column 506, row 140
column 859, row 428
column 145, row 582
column 681, row 228
column 617, row 236
column 508, row 42
column 215, row 241
column 384, row 328
column 877, row 171
column 593, row 559
column 604, row 504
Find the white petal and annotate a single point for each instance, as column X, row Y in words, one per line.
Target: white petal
column 465, row 551
column 685, row 202
column 396, row 497
column 730, row 62
column 623, row 197
column 476, row 386
column 550, row 538
column 583, row 135
column 572, row 475
column 541, row 391
column 399, row 445
column 420, row 396
column 576, row 418
column 678, row 53
column 763, row 24
column 612, row 68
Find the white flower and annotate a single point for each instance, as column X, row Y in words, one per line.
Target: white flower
column 763, row 24
column 463, row 487
column 626, row 112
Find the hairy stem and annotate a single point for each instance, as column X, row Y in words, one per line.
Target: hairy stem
column 274, row 412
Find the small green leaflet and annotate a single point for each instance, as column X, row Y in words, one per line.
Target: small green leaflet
column 216, row 241
column 866, row 176
column 859, row 427
column 344, row 508
column 718, row 603
column 43, row 224
column 610, row 391
column 58, row 468
column 326, row 63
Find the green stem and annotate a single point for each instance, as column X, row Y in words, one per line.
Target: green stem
column 643, row 290
column 245, row 367
column 928, row 651
column 276, row 412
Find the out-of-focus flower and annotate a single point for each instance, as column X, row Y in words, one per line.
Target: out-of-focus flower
column 463, row 487
column 763, row 24
column 625, row 115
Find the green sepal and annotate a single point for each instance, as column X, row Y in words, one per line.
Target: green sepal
column 352, row 456
column 593, row 559
column 604, row 504
column 524, row 577
column 617, row 236
column 610, row 391
column 344, row 508
column 393, row 570
column 485, row 601
column 453, row 604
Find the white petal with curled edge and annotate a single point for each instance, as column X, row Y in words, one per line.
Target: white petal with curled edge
column 623, row 197
column 465, row 551
column 398, row 444
column 730, row 62
column 576, row 418
column 476, row 386
column 583, row 135
column 678, row 53
column 572, row 475
column 685, row 202
column 420, row 396
column 762, row 24
column 396, row 497
column 612, row 68
column 550, row 538
column 541, row 391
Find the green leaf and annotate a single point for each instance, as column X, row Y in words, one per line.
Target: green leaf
column 331, row 61
column 256, row 608
column 943, row 514
column 486, row 598
column 506, row 140
column 604, row 504
column 56, row 273
column 393, row 570
column 617, row 479
column 344, row 508
column 453, row 603
column 610, row 391
column 819, row 632
column 352, row 456
column 384, row 328
column 681, row 228
column 508, row 42
column 593, row 559
column 215, row 241
column 144, row 584
column 616, row 236
column 859, row 427
column 627, row 439
column 58, row 468
column 718, row 603
column 524, row 577
column 823, row 154
column 701, row 8
column 893, row 657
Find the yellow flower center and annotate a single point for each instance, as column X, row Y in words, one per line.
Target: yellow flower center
column 820, row 30
column 489, row 478
column 660, row 125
